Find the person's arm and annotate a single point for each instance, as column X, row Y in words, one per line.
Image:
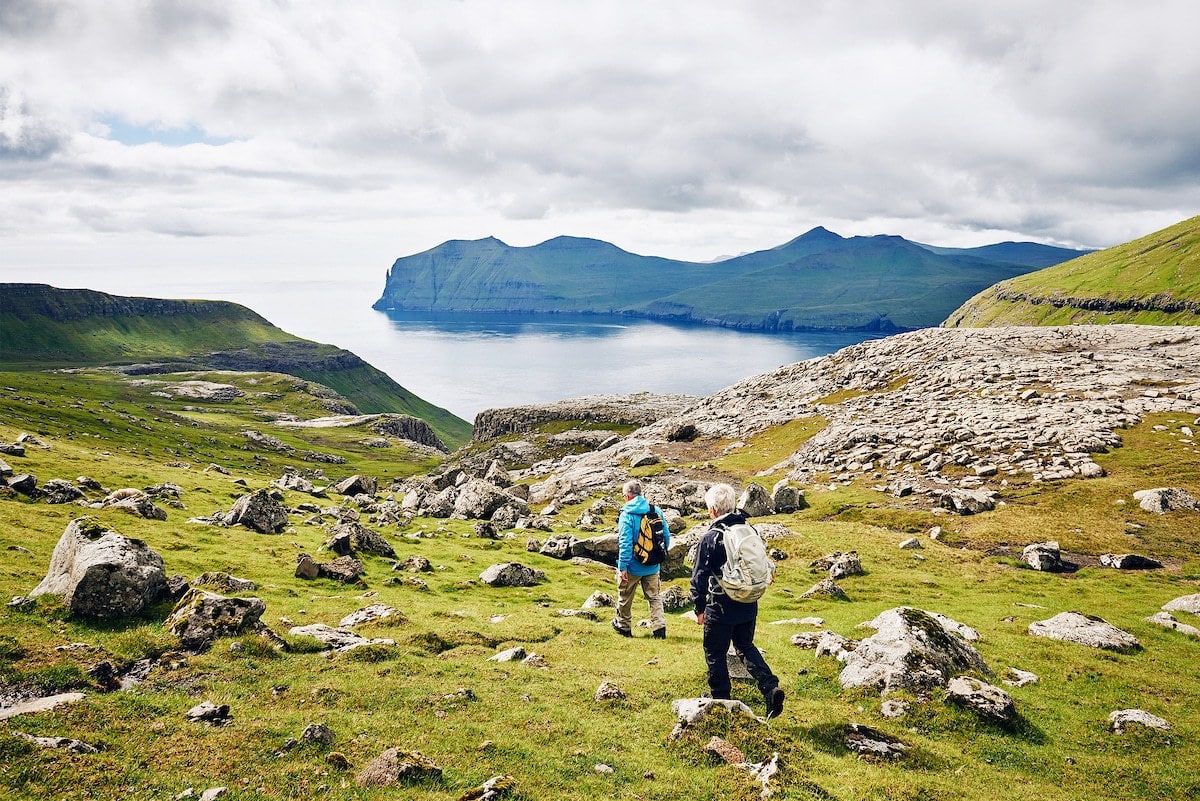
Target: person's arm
column 624, row 545
column 700, row 574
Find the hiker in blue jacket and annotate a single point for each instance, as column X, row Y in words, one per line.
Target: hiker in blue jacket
column 727, row 622
column 631, row 572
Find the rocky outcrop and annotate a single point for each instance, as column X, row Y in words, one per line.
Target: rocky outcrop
column 398, row 426
column 101, row 574
column 1028, row 402
column 639, row 409
column 201, row 617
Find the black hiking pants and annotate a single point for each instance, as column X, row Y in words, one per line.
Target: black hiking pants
column 718, row 635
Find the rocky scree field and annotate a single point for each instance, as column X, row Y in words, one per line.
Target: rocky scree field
column 417, row 703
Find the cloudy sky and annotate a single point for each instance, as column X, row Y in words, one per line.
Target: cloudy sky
column 260, row 135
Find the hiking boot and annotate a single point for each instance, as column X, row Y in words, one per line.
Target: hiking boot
column 622, row 631
column 774, row 703
column 659, row 634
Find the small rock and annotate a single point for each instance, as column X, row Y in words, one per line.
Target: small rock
column 1166, row 499
column 317, row 733
column 826, row 587
column 1019, row 678
column 725, row 751
column 1168, row 621
column 511, row 574
column 1129, row 561
column 912, row 543
column 493, row 789
column 396, row 766
column 600, row 600
column 982, row 698
column 873, row 743
column 508, row 655
column 1120, row 720
column 893, row 708
column 693, row 710
column 208, row 712
column 1045, row 556
column 608, row 691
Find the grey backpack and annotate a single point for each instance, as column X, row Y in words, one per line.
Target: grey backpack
column 747, row 571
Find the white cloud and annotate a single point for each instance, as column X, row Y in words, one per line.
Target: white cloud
column 688, row 129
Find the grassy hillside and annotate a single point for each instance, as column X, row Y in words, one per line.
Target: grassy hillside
column 540, row 724
column 42, row 326
column 818, row 280
column 882, row 282
column 1154, row 280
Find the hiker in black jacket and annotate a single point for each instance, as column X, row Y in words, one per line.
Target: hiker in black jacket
column 726, row 621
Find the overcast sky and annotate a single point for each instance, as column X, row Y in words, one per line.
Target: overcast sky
column 333, row 137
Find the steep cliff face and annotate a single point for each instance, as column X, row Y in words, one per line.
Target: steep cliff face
column 817, row 281
column 31, row 301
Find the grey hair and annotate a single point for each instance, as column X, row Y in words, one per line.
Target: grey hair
column 632, row 487
column 720, row 498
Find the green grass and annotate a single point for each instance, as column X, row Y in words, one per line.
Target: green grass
column 542, row 726
column 1161, row 267
column 43, row 327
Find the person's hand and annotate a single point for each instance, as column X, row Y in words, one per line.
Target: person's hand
column 622, row 577
column 700, row 619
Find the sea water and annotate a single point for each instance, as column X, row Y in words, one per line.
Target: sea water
column 467, row 363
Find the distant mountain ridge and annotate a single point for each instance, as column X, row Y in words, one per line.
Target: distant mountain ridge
column 1153, row 280
column 819, row 280
column 43, row 326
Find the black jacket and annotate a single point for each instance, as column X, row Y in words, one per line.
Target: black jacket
column 710, row 557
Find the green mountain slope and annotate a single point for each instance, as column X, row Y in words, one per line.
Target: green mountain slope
column 818, row 280
column 42, row 326
column 1154, row 280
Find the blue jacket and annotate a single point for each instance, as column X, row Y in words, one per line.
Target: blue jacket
column 628, row 525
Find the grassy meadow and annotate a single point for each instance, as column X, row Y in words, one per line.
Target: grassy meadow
column 1156, row 278
column 541, row 724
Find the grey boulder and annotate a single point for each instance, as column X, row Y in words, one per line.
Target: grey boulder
column 478, row 499
column 984, row 699
column 1184, row 603
column 911, row 649
column 58, row 490
column 1129, row 561
column 201, row 617
column 356, row 485
column 755, row 501
column 511, row 574
column 1084, row 630
column 1044, row 556
column 101, row 574
column 260, row 511
column 1161, row 500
